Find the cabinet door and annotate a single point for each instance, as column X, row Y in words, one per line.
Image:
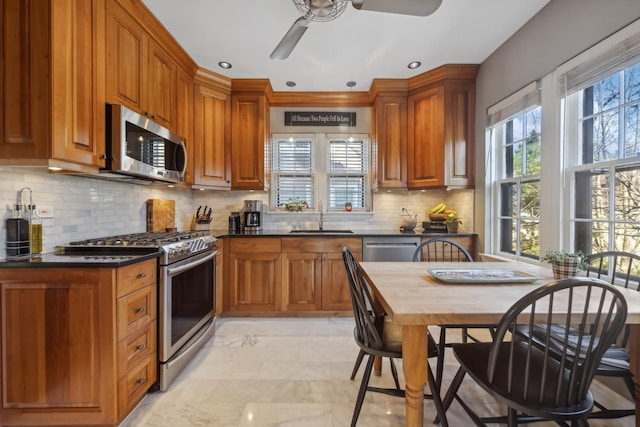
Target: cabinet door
column 213, row 155
column 391, row 136
column 301, row 278
column 250, row 121
column 161, row 83
column 57, row 348
column 255, row 282
column 77, row 81
column 24, row 82
column 459, row 134
column 184, row 117
column 426, row 139
column 335, row 285
column 126, row 58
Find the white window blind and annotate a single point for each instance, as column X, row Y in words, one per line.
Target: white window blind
column 293, row 170
column 615, row 54
column 348, row 164
column 514, row 104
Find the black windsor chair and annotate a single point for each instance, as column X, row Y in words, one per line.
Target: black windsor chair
column 377, row 337
column 532, row 383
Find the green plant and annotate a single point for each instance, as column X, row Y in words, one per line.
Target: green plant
column 295, row 205
column 452, row 216
column 557, row 257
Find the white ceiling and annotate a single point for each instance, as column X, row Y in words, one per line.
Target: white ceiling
column 358, row 46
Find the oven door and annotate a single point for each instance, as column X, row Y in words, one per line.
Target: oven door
column 187, row 301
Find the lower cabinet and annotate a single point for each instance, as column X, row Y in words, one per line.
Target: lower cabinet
column 288, row 275
column 254, row 274
column 78, row 346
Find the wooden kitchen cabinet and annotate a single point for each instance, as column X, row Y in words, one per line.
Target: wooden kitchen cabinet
column 52, row 84
column 212, row 123
column 254, row 275
column 249, row 133
column 184, row 122
column 441, row 107
column 141, row 74
column 313, row 273
column 390, row 135
column 78, row 345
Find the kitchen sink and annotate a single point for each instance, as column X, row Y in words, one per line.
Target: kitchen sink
column 320, row 231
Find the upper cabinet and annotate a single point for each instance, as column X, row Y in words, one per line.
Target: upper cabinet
column 52, row 84
column 212, row 130
column 441, row 107
column 141, row 74
column 250, row 102
column 390, row 134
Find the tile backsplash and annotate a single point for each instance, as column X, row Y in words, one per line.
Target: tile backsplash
column 85, row 207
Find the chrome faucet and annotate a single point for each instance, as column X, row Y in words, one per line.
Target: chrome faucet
column 321, row 223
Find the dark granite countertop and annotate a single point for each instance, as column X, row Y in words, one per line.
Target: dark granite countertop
column 94, row 260
column 338, row 233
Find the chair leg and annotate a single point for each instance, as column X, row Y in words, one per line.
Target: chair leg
column 512, row 418
column 435, row 395
column 363, row 390
column 394, row 373
column 465, row 335
column 440, row 359
column 357, row 364
column 451, row 392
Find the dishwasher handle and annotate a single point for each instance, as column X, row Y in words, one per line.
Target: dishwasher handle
column 391, row 245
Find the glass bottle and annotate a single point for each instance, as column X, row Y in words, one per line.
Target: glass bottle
column 35, row 230
column 17, row 234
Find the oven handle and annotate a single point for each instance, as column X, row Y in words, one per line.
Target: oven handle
column 181, row 268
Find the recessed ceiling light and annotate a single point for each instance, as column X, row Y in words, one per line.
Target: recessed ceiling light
column 351, row 84
column 291, row 84
column 224, row 64
column 415, row 64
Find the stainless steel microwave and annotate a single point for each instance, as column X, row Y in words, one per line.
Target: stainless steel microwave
column 139, row 149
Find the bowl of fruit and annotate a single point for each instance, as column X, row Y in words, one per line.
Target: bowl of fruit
column 440, row 212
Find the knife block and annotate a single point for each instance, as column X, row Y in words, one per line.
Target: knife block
column 201, row 224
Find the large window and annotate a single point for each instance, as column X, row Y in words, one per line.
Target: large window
column 516, row 138
column 332, row 169
column 604, row 119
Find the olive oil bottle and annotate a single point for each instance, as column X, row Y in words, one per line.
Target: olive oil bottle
column 35, row 230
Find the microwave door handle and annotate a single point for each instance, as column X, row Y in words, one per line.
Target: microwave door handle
column 186, row 160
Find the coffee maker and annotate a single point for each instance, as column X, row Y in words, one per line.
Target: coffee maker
column 252, row 216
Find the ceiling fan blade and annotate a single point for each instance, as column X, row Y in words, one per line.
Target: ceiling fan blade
column 402, row 7
column 291, row 39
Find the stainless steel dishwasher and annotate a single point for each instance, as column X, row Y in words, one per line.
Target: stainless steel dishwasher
column 396, row 248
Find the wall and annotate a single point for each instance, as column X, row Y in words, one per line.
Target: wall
column 560, row 31
column 85, row 208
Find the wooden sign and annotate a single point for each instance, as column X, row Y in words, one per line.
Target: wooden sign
column 324, row 118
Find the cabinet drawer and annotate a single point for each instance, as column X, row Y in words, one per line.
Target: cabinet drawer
column 133, row 387
column 328, row 244
column 136, row 276
column 136, row 310
column 136, row 347
column 254, row 245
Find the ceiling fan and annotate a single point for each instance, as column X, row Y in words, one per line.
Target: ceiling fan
column 327, row 10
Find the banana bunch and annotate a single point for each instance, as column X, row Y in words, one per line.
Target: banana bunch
column 440, row 208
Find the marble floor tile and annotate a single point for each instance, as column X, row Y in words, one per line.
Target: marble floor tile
column 295, row 372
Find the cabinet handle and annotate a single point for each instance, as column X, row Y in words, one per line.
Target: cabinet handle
column 139, row 309
column 140, row 347
column 141, row 380
column 153, row 116
column 141, row 275
column 103, row 157
column 318, row 258
column 146, row 113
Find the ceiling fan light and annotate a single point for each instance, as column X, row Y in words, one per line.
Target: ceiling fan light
column 413, row 65
column 224, row 64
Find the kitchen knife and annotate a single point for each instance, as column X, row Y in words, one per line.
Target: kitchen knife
column 204, row 212
column 198, row 212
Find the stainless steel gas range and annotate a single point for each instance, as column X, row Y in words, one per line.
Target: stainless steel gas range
column 186, row 290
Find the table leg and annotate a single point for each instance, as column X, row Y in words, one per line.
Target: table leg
column 634, row 364
column 414, row 366
column 377, row 366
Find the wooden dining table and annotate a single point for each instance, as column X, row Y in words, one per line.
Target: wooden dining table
column 415, row 299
